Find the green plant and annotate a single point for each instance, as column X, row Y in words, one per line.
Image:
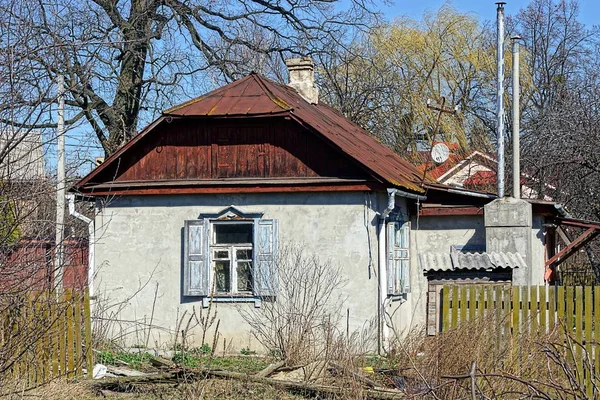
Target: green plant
column 246, row 351
column 185, row 359
column 135, row 360
column 204, row 349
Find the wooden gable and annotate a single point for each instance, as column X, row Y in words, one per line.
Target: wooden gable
column 210, row 151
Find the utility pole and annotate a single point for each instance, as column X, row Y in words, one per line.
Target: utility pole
column 60, row 188
column 515, row 115
column 500, row 96
column 441, row 109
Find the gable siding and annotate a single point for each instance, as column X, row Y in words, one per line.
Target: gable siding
column 201, row 149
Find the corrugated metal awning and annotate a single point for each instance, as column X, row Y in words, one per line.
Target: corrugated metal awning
column 470, row 261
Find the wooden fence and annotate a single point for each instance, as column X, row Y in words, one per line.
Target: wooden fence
column 513, row 310
column 45, row 336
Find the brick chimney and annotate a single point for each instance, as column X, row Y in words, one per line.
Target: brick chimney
column 302, row 78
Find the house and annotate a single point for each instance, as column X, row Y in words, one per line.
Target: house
column 475, row 171
column 192, row 211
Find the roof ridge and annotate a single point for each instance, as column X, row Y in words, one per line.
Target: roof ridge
column 205, row 95
column 262, row 82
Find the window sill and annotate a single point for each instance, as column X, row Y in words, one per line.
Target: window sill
column 232, row 299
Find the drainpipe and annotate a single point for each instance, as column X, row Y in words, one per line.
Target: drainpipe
column 384, row 332
column 91, row 240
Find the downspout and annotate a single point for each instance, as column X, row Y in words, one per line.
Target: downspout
column 91, row 240
column 384, row 330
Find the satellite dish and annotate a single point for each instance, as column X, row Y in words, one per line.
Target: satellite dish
column 440, row 153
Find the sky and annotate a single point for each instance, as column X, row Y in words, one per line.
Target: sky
column 589, row 10
column 484, row 10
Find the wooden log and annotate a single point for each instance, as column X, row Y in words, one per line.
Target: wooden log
column 270, row 369
column 127, row 383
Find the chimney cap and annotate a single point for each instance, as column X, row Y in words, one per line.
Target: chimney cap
column 301, row 62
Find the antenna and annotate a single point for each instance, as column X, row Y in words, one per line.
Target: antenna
column 439, row 151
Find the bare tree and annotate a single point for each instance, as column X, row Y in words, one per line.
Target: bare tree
column 125, row 60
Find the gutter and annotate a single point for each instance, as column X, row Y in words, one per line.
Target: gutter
column 384, row 330
column 91, row 239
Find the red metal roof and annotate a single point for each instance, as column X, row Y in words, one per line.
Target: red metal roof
column 255, row 95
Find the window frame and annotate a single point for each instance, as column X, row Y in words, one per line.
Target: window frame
column 231, row 249
column 198, row 251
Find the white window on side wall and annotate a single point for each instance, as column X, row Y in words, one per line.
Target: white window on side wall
column 230, row 256
column 398, row 262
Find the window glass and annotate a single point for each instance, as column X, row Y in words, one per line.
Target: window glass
column 245, row 254
column 244, row 276
column 222, row 276
column 233, row 233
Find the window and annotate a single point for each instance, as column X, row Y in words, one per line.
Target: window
column 230, row 255
column 398, row 263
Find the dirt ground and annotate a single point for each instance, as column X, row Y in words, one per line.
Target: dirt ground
column 207, row 389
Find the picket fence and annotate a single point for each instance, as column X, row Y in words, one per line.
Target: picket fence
column 514, row 310
column 48, row 334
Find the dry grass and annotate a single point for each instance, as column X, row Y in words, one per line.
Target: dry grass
column 529, row 364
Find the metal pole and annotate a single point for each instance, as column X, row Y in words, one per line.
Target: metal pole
column 515, row 115
column 60, row 188
column 500, row 98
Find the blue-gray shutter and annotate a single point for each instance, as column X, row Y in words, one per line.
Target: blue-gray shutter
column 398, row 260
column 196, row 278
column 265, row 257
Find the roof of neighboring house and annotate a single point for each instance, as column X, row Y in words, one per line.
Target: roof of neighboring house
column 256, row 96
column 21, row 155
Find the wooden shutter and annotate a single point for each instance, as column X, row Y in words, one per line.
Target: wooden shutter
column 398, row 263
column 196, row 281
column 265, row 257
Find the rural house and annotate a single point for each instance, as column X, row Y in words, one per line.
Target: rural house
column 194, row 208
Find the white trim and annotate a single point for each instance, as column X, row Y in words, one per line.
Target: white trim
column 463, row 162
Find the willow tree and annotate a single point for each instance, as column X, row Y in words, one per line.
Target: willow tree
column 385, row 83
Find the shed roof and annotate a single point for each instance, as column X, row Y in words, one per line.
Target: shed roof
column 470, row 261
column 256, row 96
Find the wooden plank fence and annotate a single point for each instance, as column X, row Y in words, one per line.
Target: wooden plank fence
column 46, row 336
column 514, row 310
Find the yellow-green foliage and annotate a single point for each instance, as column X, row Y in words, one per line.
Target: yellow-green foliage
column 10, row 231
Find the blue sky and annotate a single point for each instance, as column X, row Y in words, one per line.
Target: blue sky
column 483, row 9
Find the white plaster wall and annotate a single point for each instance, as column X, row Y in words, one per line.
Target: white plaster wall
column 434, row 234
column 538, row 251
column 139, row 250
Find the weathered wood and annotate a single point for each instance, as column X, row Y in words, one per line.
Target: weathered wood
column 472, row 300
column 454, row 322
column 270, row 147
column 88, row 332
column 70, row 346
column 77, row 327
column 597, row 329
column 445, row 307
column 370, row 383
column 188, row 376
column 543, row 309
column 588, row 339
column 534, row 308
column 516, row 305
column 270, row 369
